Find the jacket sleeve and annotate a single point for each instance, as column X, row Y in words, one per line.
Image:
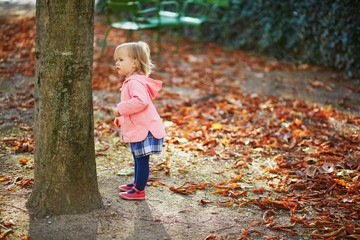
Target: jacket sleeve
column 138, row 100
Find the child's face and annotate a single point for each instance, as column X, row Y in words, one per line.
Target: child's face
column 125, row 65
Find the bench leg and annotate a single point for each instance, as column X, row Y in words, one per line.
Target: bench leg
column 158, row 42
column 129, row 36
column 104, row 42
column 198, row 36
column 140, row 35
column 178, row 34
column 151, row 39
column 226, row 33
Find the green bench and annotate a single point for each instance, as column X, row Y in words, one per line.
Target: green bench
column 133, row 16
column 197, row 12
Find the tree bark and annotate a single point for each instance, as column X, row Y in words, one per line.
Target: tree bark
column 65, row 180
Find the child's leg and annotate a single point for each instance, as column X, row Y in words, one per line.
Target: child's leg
column 135, row 173
column 142, row 172
column 135, row 168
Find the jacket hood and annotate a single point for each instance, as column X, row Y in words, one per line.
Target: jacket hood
column 153, row 86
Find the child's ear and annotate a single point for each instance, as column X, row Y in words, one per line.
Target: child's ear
column 135, row 64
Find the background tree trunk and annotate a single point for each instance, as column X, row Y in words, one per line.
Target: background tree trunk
column 65, row 168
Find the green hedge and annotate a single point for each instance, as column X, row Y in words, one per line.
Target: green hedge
column 321, row 32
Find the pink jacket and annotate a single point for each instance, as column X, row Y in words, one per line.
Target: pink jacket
column 138, row 113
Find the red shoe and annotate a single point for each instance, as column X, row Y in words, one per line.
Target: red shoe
column 137, row 195
column 125, row 188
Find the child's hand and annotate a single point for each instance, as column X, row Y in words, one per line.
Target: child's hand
column 116, row 114
column 117, row 122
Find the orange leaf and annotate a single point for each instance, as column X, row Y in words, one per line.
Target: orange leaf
column 230, row 186
column 342, row 182
column 205, row 202
column 219, row 191
column 272, row 170
column 243, row 203
column 222, row 183
column 211, row 237
column 269, row 220
column 210, row 152
column 186, row 189
column 254, row 223
column 216, row 126
column 25, row 238
column 23, row 161
column 297, row 122
column 260, row 190
column 281, row 205
column 8, row 222
column 3, row 179
column 225, row 204
column 201, row 186
column 295, row 219
column 27, row 183
column 237, row 178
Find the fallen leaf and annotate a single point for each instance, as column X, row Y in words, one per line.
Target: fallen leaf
column 8, row 222
column 27, row 182
column 236, row 178
column 4, row 179
column 260, row 190
column 23, row 161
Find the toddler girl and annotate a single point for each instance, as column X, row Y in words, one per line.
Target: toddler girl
column 141, row 124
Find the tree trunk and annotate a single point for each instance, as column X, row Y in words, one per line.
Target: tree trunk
column 65, row 179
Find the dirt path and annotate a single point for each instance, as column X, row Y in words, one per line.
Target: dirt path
column 165, row 214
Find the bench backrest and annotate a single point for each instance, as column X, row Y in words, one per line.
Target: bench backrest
column 220, row 3
column 122, row 5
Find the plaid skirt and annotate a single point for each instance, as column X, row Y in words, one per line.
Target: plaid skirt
column 150, row 145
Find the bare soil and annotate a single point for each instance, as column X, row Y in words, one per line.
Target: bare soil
column 164, row 214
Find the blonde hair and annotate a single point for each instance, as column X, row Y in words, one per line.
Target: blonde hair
column 139, row 51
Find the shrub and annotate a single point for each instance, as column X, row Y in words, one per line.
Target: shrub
column 318, row 32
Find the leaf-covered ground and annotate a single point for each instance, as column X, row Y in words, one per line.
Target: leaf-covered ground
column 255, row 148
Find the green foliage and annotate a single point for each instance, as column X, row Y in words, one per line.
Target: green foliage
column 324, row 32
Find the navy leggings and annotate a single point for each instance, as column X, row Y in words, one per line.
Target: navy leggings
column 142, row 171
